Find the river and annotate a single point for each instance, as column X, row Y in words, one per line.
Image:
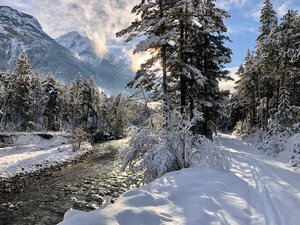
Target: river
column 81, row 186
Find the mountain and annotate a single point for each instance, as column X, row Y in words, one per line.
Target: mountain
column 83, row 49
column 67, row 56
column 80, row 46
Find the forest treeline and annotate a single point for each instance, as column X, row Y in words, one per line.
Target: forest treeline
column 268, row 90
column 30, row 102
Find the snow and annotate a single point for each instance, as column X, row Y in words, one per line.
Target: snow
column 257, row 190
column 20, row 18
column 184, row 197
column 75, row 42
column 277, row 185
column 31, row 152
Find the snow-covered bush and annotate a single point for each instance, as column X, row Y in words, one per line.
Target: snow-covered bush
column 295, row 161
column 274, row 139
column 157, row 150
column 279, row 130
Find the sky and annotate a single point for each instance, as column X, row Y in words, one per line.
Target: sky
column 101, row 19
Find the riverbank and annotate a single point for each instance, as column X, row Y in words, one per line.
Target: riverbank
column 30, row 156
column 257, row 190
column 81, row 186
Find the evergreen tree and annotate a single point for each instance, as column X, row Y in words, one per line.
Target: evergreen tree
column 76, row 100
column 95, row 104
column 284, row 116
column 66, row 107
column 269, row 75
column 186, row 38
column 51, row 101
column 268, row 20
column 288, row 34
column 153, row 23
column 266, row 53
column 6, row 94
column 37, row 95
column 29, row 103
column 212, row 55
column 22, row 99
column 246, row 91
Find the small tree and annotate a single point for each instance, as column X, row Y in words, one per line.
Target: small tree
column 295, row 161
column 79, row 136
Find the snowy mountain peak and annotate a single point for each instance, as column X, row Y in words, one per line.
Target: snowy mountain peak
column 12, row 17
column 83, row 48
column 75, row 42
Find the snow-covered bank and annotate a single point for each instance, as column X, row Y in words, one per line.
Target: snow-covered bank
column 189, row 196
column 31, row 152
column 258, row 190
column 27, row 139
column 283, row 144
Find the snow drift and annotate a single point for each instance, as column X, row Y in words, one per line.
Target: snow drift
column 190, row 196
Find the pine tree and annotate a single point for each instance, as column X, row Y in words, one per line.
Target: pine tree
column 36, row 87
column 76, row 100
column 22, row 100
column 288, row 34
column 272, row 73
column 212, row 55
column 29, row 103
column 186, row 38
column 66, row 107
column 6, row 89
column 153, row 24
column 268, row 19
column 51, row 101
column 95, row 104
column 266, row 56
column 284, row 116
column 117, row 116
column 247, row 91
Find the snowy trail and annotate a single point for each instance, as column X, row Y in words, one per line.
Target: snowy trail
column 276, row 186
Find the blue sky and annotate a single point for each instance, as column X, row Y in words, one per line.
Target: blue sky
column 244, row 24
column 101, row 19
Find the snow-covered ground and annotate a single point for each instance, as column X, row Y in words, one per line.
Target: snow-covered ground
column 30, row 152
column 257, row 190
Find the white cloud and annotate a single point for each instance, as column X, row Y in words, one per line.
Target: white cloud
column 229, row 85
column 241, row 29
column 256, row 14
column 227, row 4
column 283, row 8
column 136, row 59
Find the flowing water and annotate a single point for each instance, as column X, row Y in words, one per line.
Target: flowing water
column 81, row 186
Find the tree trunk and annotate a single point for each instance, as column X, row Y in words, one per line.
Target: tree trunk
column 183, row 82
column 164, row 71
